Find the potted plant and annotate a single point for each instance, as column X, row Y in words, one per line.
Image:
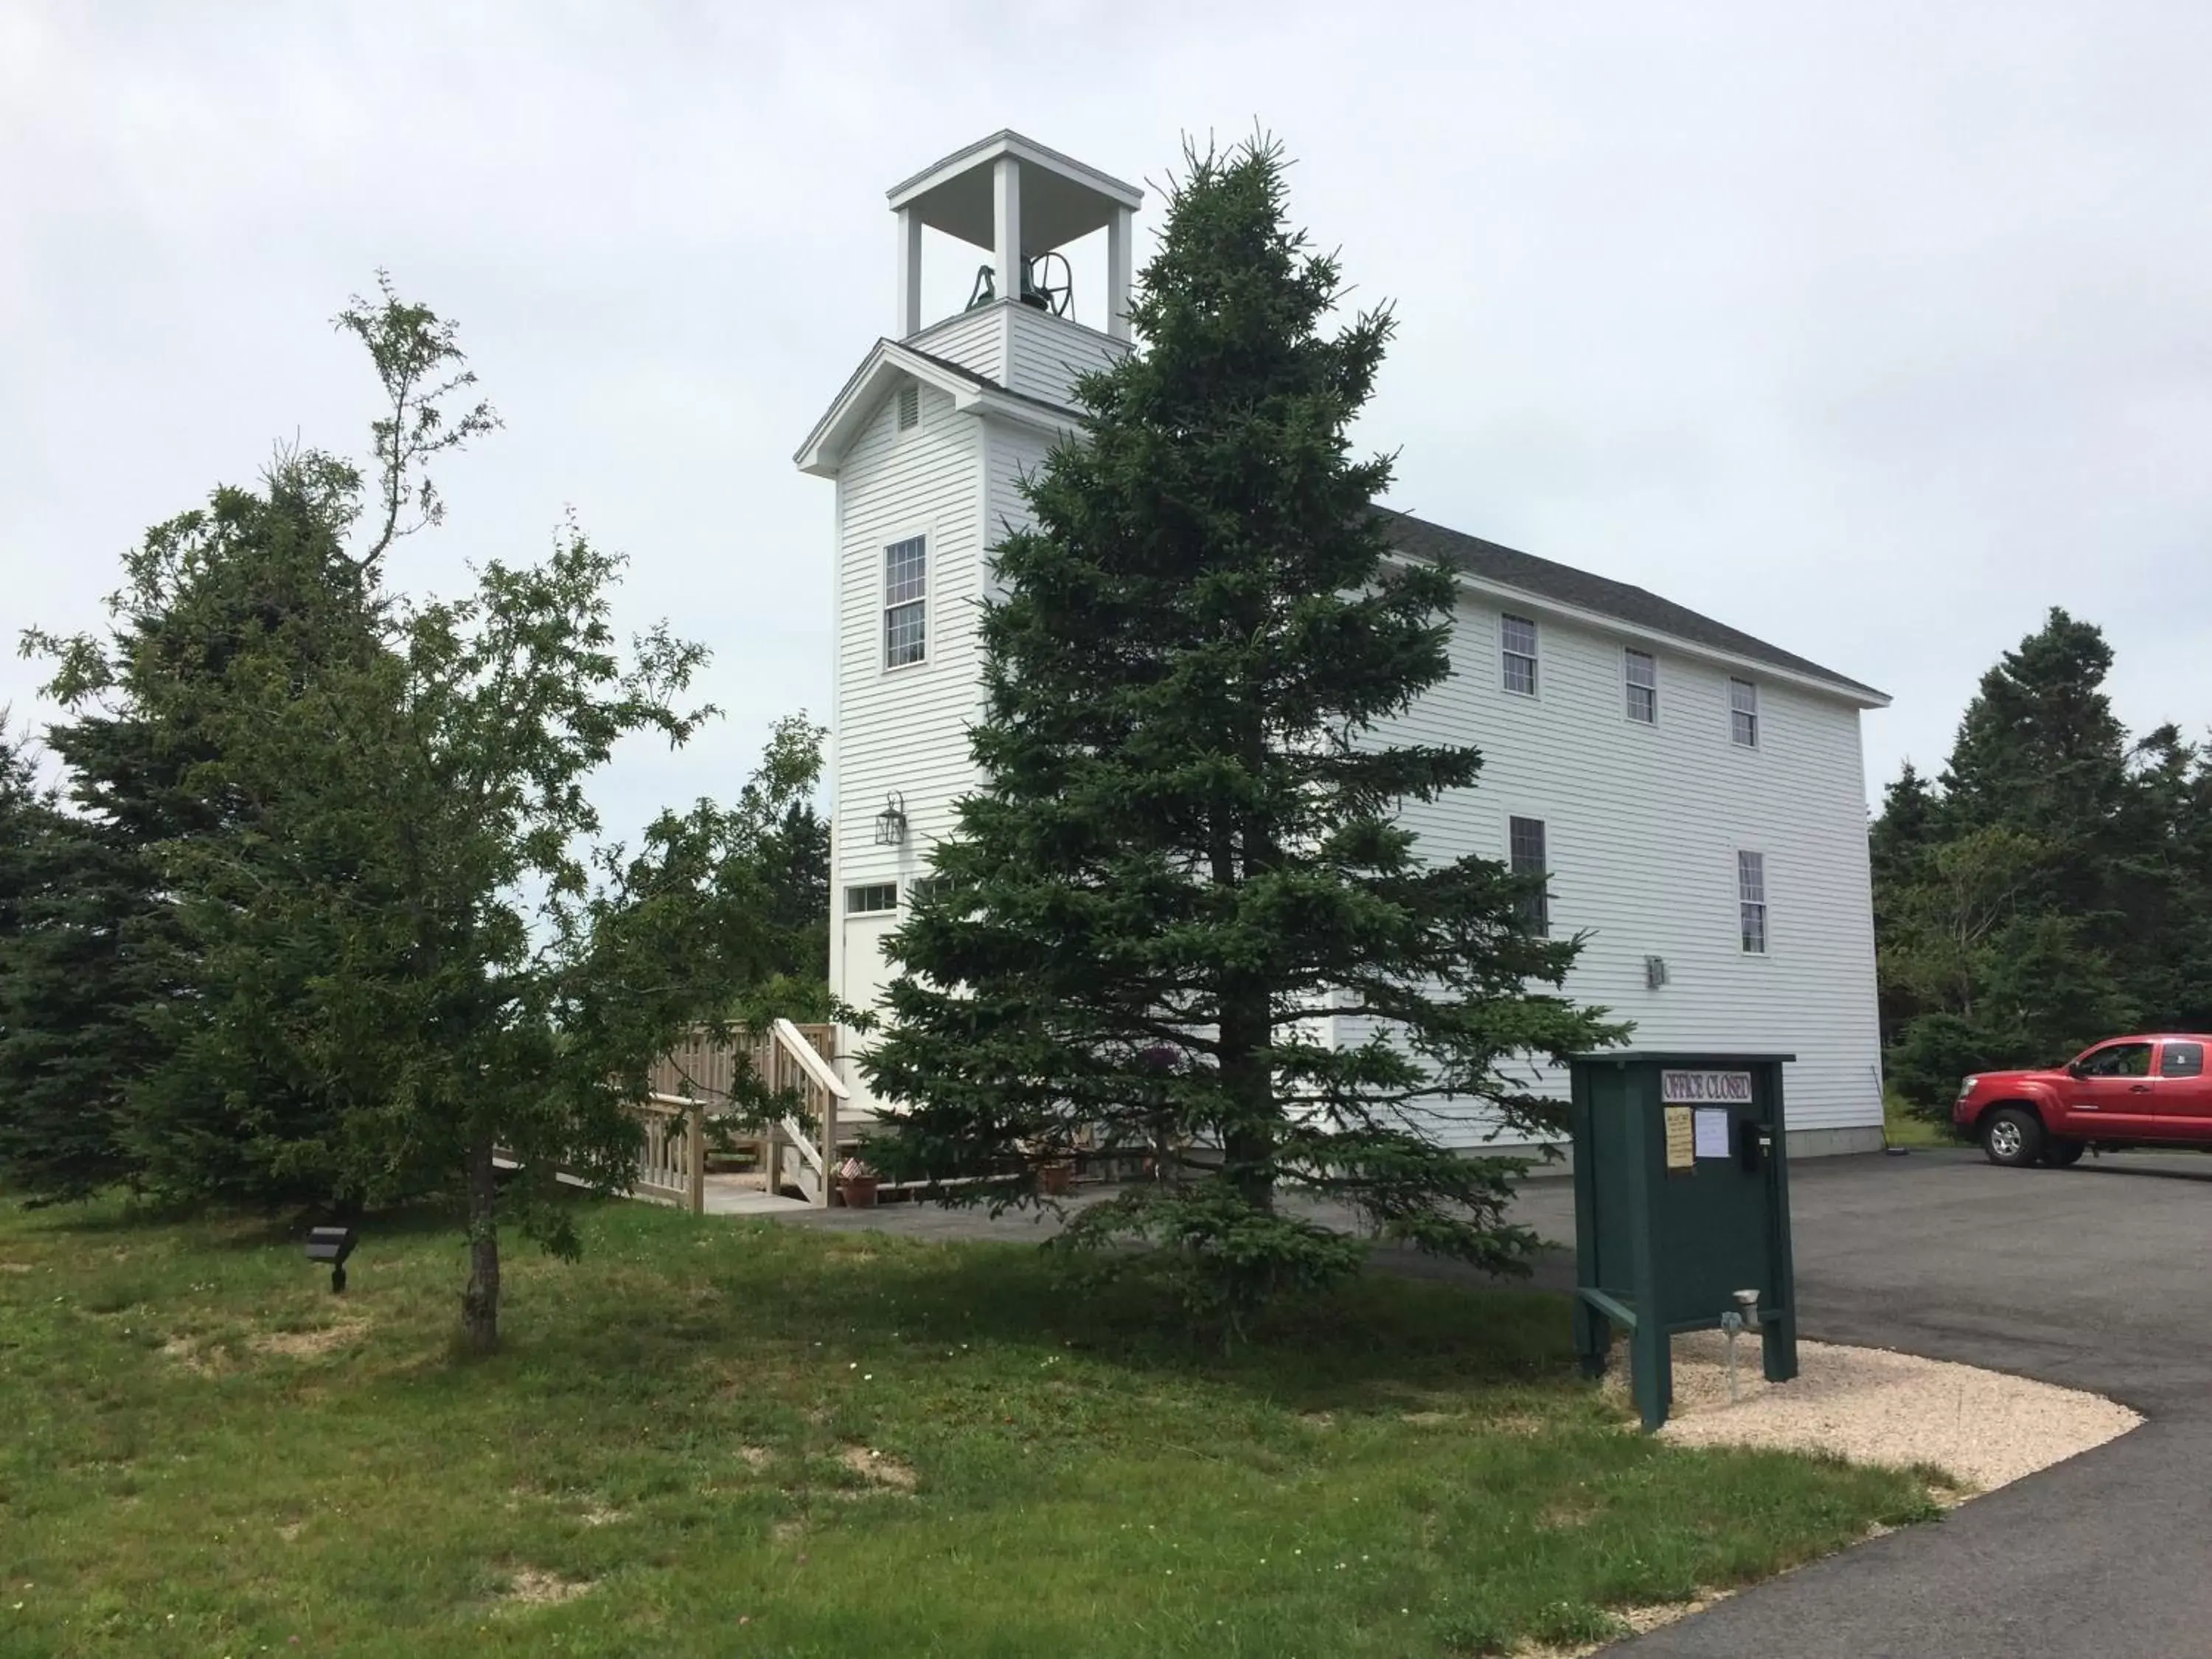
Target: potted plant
column 856, row 1185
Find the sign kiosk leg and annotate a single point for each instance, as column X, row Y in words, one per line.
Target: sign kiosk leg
column 1650, row 1357
column 1592, row 1339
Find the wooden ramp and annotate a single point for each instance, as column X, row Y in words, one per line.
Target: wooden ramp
column 747, row 1194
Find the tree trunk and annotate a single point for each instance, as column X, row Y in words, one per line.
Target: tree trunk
column 1247, row 1142
column 480, row 1301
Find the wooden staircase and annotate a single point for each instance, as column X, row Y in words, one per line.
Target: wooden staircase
column 798, row 1155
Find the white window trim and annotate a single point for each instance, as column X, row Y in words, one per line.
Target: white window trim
column 1535, row 622
column 927, row 537
column 1550, row 863
column 1757, row 711
column 1651, row 657
column 1765, row 903
column 869, row 886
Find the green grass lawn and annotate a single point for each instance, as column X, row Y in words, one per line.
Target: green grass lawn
column 729, row 1439
column 1905, row 1127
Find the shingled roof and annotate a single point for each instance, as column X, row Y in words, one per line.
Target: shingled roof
column 1635, row 608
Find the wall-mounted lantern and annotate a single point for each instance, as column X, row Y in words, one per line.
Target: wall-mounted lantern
column 890, row 822
column 1655, row 972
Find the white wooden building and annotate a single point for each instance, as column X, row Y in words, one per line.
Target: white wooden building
column 1695, row 795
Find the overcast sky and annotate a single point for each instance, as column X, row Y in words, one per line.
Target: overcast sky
column 1872, row 331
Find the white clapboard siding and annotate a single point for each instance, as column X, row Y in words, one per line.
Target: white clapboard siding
column 1643, row 824
column 974, row 339
column 1045, row 352
column 904, row 729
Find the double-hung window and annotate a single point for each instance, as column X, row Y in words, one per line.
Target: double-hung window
column 1743, row 713
column 1517, row 639
column 1640, row 669
column 1524, row 840
column 906, row 601
column 1751, row 901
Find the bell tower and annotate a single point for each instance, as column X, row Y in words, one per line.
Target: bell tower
column 1020, row 203
column 927, row 445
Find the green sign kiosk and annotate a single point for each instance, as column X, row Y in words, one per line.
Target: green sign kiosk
column 1681, row 1211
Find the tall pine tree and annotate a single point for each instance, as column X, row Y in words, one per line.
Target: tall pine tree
column 2052, row 892
column 1186, row 858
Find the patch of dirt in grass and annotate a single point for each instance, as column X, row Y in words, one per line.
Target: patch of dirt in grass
column 756, row 1458
column 16, row 1267
column 1317, row 1419
column 290, row 1530
column 530, row 1587
column 188, row 1352
column 878, row 1470
column 1566, row 1514
column 598, row 1516
column 309, row 1345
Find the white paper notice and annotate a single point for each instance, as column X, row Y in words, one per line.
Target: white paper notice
column 1712, row 1131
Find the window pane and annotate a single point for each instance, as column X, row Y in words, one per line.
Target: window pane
column 1518, row 636
column 1751, row 893
column 1754, row 928
column 2184, row 1059
column 905, row 638
column 906, row 570
column 1642, row 675
column 1743, row 713
column 1524, row 840
column 871, row 900
column 2121, row 1060
column 1751, row 877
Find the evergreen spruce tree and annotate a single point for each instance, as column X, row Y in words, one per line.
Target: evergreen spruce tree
column 70, row 1035
column 1186, row 855
column 2052, row 892
column 2040, row 750
column 230, row 617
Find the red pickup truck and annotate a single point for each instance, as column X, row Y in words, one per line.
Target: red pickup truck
column 2130, row 1092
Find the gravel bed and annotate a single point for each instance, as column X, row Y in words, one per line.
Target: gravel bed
column 1981, row 1428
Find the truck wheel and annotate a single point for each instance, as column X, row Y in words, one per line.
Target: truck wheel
column 2063, row 1154
column 2013, row 1138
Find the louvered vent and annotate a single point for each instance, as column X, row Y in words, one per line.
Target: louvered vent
column 909, row 407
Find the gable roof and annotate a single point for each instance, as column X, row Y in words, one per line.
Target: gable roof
column 887, row 364
column 1637, row 609
column 1633, row 609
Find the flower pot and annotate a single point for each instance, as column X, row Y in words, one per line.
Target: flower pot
column 858, row 1192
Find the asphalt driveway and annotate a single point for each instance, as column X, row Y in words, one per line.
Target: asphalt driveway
column 2098, row 1277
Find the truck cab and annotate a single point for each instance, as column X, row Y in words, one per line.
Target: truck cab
column 2145, row 1090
